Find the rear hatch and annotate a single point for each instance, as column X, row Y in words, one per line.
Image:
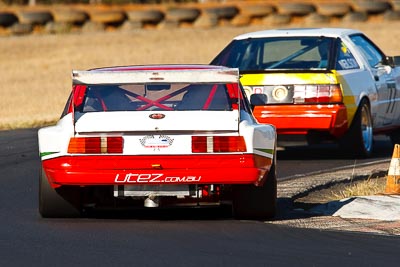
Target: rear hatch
column 156, row 117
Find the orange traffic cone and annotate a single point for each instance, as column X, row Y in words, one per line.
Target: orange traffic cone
column 393, row 178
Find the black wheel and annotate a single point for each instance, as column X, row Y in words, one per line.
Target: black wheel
column 395, row 137
column 358, row 141
column 58, row 203
column 256, row 203
column 7, row 19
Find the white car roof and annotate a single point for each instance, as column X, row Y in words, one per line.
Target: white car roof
column 293, row 32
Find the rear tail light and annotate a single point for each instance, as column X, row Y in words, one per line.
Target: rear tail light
column 215, row 144
column 95, row 145
column 317, row 93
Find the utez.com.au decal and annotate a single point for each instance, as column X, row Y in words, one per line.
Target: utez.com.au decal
column 154, row 178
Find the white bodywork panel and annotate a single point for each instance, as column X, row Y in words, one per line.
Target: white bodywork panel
column 127, row 121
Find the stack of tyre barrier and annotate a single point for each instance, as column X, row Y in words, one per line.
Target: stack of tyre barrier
column 64, row 19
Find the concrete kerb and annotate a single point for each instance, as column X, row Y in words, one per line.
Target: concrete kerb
column 289, row 190
column 295, row 187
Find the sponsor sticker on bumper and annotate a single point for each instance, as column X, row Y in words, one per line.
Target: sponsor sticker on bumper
column 154, row 178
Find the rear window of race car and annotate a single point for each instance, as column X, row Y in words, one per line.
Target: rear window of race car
column 288, row 53
column 147, row 97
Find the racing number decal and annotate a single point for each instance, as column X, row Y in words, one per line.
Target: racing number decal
column 349, row 63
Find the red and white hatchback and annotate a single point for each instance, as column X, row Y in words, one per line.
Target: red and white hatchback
column 154, row 136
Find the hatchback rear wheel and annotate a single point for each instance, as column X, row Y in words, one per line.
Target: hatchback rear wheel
column 359, row 139
column 63, row 202
column 256, row 202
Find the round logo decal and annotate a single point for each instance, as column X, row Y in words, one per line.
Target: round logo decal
column 157, row 116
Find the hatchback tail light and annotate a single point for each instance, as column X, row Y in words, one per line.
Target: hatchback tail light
column 317, row 93
column 215, row 144
column 96, row 145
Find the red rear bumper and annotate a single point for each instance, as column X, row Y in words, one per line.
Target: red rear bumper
column 167, row 169
column 300, row 119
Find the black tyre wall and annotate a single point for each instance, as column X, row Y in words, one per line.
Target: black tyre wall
column 63, row 202
column 256, row 203
column 353, row 142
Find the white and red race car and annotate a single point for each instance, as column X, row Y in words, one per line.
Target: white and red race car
column 156, row 136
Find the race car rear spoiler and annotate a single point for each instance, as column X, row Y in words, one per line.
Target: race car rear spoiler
column 228, row 75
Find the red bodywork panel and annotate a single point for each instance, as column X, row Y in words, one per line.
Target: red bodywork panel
column 179, row 169
column 299, row 119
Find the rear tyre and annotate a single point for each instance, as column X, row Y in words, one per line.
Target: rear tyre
column 252, row 202
column 359, row 139
column 58, row 203
column 7, row 19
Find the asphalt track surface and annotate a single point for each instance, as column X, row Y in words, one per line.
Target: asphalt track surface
column 184, row 237
column 300, row 160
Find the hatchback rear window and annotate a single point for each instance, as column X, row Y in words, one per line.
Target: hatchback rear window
column 258, row 54
column 148, row 97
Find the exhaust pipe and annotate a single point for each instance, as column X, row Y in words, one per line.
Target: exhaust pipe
column 152, row 201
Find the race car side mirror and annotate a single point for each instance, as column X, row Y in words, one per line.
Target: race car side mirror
column 396, row 60
column 393, row 61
